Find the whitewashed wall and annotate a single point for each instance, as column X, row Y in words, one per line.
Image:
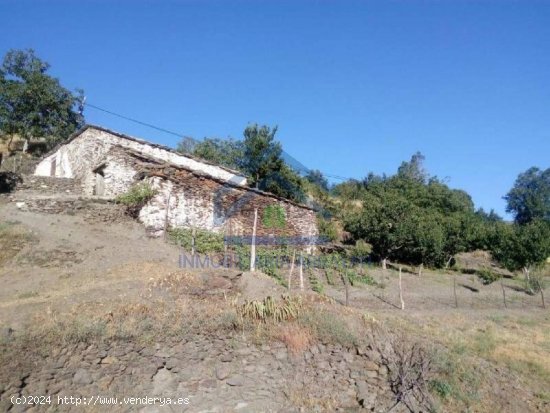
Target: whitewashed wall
column 77, row 158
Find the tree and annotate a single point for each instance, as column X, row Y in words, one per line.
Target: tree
column 225, row 152
column 285, row 183
column 412, row 217
column 316, row 177
column 529, row 199
column 523, row 247
column 33, row 103
column 414, row 169
column 262, row 154
column 187, row 145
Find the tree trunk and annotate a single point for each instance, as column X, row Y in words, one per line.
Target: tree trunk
column 253, row 243
column 420, row 268
column 384, row 264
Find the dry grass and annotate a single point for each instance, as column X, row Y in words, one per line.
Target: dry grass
column 470, row 347
column 13, row 238
column 296, row 337
column 134, row 321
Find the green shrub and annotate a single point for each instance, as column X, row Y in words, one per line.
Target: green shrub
column 487, row 276
column 328, row 274
column 355, row 278
column 136, row 197
column 360, row 251
column 206, row 242
column 441, row 388
column 316, row 285
column 274, row 216
column 327, row 229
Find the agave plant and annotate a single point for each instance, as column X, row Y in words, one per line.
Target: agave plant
column 268, row 308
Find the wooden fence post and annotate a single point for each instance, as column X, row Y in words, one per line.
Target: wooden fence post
column 166, row 216
column 541, row 293
column 344, row 278
column 503, row 292
column 301, row 272
column 193, row 233
column 401, row 291
column 291, row 269
column 454, row 290
column 253, row 243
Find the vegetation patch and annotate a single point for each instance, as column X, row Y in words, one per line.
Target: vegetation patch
column 285, row 309
column 136, row 197
column 326, row 327
column 204, row 242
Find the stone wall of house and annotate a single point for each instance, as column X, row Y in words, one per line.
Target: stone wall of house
column 202, row 198
column 184, row 199
column 80, row 156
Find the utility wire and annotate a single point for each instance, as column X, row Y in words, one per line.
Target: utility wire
column 302, row 168
column 179, row 135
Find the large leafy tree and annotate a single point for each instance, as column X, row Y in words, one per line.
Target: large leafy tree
column 259, row 156
column 225, row 152
column 522, row 247
column 33, row 103
column 529, row 199
column 412, row 217
column 262, row 153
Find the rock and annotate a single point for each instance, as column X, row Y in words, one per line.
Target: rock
column 109, row 360
column 371, row 374
column 370, row 366
column 365, row 396
column 171, row 363
column 163, row 382
column 208, row 383
column 240, row 405
column 235, row 380
column 226, row 358
column 222, row 372
column 82, row 377
column 6, row 333
column 163, row 353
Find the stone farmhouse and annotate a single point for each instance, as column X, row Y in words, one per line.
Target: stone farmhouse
column 189, row 192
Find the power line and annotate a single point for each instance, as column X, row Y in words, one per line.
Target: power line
column 179, row 135
column 299, row 165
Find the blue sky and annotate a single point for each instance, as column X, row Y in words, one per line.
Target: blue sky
column 354, row 86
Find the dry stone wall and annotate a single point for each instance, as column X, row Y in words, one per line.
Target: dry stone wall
column 217, row 373
column 184, row 199
column 50, row 185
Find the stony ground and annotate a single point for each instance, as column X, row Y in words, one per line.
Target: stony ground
column 90, row 306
